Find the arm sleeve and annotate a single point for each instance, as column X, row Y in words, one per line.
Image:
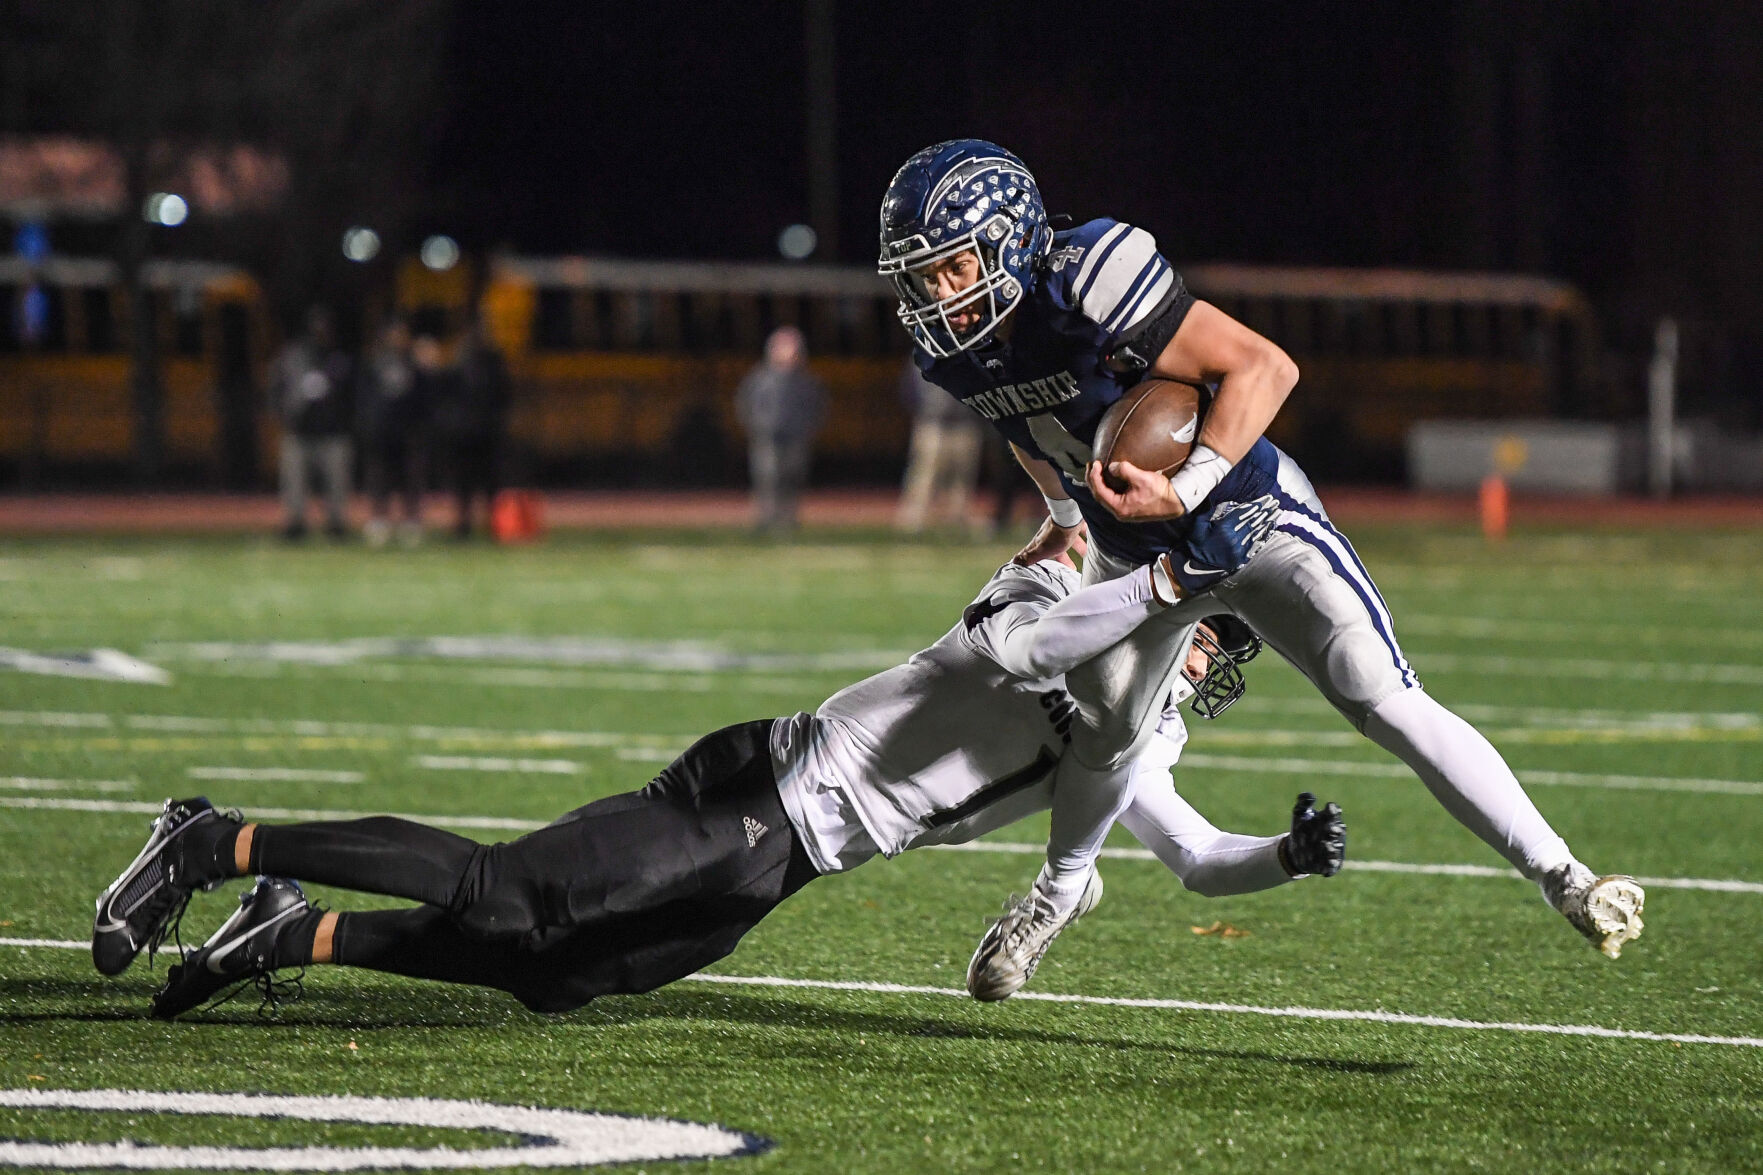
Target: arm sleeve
column 1209, row 861
column 1037, row 644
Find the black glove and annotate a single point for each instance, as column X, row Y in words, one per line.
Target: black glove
column 1318, row 840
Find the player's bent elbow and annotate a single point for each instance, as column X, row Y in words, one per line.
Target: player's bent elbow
column 1282, row 371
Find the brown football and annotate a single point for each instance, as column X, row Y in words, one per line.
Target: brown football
column 1153, row 426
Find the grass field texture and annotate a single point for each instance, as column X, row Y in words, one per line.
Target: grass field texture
column 1398, row 1017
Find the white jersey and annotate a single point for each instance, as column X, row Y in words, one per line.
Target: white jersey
column 961, row 739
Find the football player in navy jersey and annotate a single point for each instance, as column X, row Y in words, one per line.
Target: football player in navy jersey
column 1039, row 329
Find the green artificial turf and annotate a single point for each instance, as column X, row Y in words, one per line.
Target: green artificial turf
column 1620, row 672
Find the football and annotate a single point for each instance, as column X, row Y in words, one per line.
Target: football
column 1153, row 426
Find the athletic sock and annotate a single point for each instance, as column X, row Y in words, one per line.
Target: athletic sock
column 293, row 943
column 206, row 849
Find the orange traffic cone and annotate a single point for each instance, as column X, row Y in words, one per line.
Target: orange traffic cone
column 1495, row 508
column 517, row 516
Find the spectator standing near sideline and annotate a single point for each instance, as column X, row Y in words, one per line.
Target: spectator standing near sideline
column 309, row 392
column 393, row 420
column 471, row 418
column 781, row 405
column 944, row 458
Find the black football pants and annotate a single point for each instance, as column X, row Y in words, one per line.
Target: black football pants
column 622, row 895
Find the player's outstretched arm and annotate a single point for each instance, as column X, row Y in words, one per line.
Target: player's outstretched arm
column 1083, row 624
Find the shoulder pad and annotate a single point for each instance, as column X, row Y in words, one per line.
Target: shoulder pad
column 1109, row 272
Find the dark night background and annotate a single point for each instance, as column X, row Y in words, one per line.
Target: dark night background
column 1617, row 145
column 1614, row 144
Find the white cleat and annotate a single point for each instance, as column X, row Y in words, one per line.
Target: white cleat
column 1607, row 910
column 1012, row 948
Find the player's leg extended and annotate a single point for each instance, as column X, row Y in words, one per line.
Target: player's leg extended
column 710, row 825
column 380, row 854
column 1309, row 597
column 622, row 895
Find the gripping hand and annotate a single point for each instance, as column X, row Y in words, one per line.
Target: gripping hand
column 1318, row 840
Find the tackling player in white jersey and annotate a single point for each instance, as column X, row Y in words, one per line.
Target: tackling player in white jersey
column 638, row 890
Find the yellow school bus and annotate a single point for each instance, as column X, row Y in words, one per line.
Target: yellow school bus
column 622, row 358
column 65, row 398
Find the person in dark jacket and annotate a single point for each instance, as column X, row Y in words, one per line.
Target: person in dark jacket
column 781, row 405
column 393, row 422
column 309, row 393
column 471, row 419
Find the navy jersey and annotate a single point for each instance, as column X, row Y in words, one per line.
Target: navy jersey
column 1047, row 387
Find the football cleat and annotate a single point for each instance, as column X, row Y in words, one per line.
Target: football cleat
column 1607, row 910
column 243, row 949
column 144, row 904
column 1318, row 840
column 1012, row 948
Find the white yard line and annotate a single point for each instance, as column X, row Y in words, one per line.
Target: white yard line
column 314, row 728
column 1505, row 628
column 1703, row 673
column 1293, row 1013
column 142, row 807
column 517, row 676
column 490, row 763
column 662, row 747
column 1290, row 1013
column 31, row 783
column 1386, row 770
column 1595, row 718
column 276, row 774
column 1712, row 885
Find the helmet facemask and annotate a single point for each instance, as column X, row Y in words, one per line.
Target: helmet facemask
column 1227, row 649
column 994, row 294
column 963, row 196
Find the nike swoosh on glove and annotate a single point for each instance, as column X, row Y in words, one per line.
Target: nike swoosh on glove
column 1223, row 539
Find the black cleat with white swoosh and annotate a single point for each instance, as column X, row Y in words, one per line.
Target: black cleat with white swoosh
column 273, row 913
column 143, row 904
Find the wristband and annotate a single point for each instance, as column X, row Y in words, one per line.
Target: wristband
column 1064, row 512
column 1166, row 589
column 1198, row 476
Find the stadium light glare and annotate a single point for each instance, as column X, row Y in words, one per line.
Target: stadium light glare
column 361, row 244
column 797, row 242
column 166, row 208
column 440, row 253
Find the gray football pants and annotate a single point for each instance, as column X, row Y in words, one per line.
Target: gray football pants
column 1308, row 596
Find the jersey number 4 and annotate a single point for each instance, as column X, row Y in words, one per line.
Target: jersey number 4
column 1071, row 455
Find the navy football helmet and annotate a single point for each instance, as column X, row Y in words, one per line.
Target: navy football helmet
column 966, row 194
